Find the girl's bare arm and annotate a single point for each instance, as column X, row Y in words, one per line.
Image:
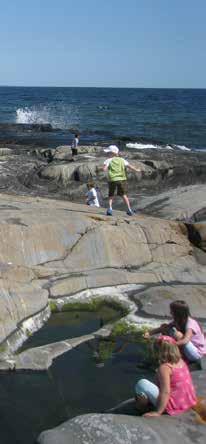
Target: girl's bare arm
column 164, row 373
column 162, row 329
column 186, row 338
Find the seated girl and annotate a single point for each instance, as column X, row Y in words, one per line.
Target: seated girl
column 174, row 392
column 91, row 196
column 186, row 330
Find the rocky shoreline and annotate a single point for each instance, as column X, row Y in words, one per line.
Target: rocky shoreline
column 171, row 184
column 56, row 250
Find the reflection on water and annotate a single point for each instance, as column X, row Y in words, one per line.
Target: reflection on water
column 93, row 377
column 65, row 325
column 104, row 349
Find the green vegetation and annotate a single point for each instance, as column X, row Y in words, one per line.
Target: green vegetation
column 122, row 328
column 53, row 306
column 3, row 348
column 28, row 333
column 121, row 337
column 92, row 305
column 106, row 349
column 131, row 333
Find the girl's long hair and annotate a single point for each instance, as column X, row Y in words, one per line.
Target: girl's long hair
column 165, row 352
column 180, row 313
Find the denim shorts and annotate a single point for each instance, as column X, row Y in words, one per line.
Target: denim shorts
column 147, row 389
column 189, row 350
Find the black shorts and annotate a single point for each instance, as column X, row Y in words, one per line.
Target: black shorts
column 74, row 151
column 120, row 186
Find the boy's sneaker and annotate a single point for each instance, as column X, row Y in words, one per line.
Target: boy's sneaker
column 109, row 212
column 130, row 212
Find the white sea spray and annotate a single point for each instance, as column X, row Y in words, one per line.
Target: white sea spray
column 142, row 146
column 59, row 116
column 183, row 148
column 149, row 146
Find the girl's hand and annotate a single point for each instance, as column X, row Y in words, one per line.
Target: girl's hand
column 146, row 335
column 178, row 335
column 164, row 329
column 155, row 414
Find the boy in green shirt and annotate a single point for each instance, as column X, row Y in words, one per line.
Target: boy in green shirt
column 116, row 168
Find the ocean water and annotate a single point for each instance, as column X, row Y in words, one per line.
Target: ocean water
column 141, row 118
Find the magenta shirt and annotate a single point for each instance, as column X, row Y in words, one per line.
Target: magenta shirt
column 198, row 338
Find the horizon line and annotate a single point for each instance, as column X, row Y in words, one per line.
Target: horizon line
column 103, row 87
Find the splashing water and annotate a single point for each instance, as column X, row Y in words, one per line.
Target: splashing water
column 26, row 115
column 61, row 116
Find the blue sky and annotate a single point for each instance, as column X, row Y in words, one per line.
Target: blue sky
column 133, row 43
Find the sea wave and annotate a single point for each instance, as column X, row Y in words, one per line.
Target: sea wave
column 141, row 146
column 144, row 146
column 183, row 147
column 201, row 150
column 59, row 116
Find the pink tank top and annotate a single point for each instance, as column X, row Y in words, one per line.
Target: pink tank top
column 182, row 392
column 198, row 338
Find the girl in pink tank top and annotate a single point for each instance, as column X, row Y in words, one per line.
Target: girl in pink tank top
column 182, row 393
column 174, row 393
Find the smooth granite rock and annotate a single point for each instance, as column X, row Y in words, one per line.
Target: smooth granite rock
column 156, row 301
column 53, row 249
column 182, row 203
column 122, row 429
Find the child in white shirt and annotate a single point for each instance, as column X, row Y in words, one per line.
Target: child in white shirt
column 92, row 198
column 75, row 144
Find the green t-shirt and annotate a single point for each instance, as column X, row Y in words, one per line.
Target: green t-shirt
column 116, row 169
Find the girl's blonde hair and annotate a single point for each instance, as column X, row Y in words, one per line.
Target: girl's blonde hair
column 166, row 352
column 90, row 184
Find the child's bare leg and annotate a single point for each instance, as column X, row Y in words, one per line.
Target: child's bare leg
column 109, row 210
column 126, row 200
column 110, row 202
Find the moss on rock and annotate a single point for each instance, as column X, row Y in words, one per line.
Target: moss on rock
column 91, row 305
column 123, row 328
column 53, row 306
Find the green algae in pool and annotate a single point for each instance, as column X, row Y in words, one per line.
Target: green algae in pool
column 93, row 377
column 70, row 324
